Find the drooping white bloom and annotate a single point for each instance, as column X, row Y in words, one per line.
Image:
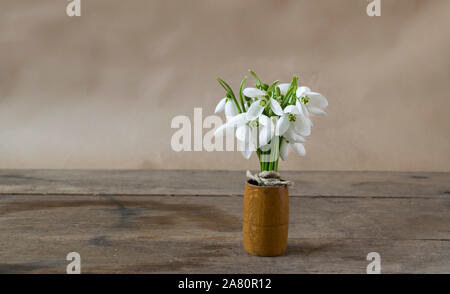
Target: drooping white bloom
column 253, row 92
column 284, row 150
column 254, row 111
column 229, row 106
column 291, row 136
column 221, row 105
column 285, row 144
column 256, row 95
column 266, row 129
column 291, row 123
column 290, row 118
column 247, row 125
column 276, row 107
column 311, row 102
column 292, row 139
column 270, row 121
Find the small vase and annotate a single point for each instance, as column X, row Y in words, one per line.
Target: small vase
column 265, row 219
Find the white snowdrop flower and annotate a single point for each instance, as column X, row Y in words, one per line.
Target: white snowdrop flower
column 247, row 125
column 313, row 102
column 269, row 120
column 254, row 93
column 286, row 144
column 229, row 106
column 292, row 118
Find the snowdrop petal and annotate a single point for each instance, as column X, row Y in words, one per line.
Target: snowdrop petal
column 276, row 107
column 254, row 111
column 317, row 100
column 246, row 145
column 299, row 107
column 220, row 105
column 265, row 135
column 302, row 125
column 264, row 120
column 230, row 109
column 284, row 88
column 237, row 120
column 307, row 115
column 253, row 138
column 293, row 137
column 291, row 109
column 282, row 125
column 243, row 133
column 302, row 91
column 305, row 110
column 316, row 111
column 284, row 152
column 299, row 148
column 253, row 92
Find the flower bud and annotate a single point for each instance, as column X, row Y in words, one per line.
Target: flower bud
column 278, row 91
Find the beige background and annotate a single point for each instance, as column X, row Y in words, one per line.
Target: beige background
column 100, row 90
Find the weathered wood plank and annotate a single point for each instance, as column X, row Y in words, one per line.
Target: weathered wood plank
column 216, row 255
column 155, row 234
column 139, row 182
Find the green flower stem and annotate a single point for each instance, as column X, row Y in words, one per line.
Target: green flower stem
column 272, row 86
column 267, row 165
column 241, row 96
column 270, row 165
column 286, row 98
column 279, row 152
column 230, row 91
column 258, row 81
column 264, row 163
column 291, row 91
column 258, row 152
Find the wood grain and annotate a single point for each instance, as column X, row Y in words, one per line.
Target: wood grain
column 191, row 234
column 220, row 183
column 265, row 219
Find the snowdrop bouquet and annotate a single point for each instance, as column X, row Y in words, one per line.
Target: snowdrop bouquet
column 270, row 119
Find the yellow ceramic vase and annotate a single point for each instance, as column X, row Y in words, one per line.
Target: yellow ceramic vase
column 265, row 219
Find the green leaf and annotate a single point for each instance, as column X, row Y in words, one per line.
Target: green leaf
column 290, row 91
column 241, row 96
column 272, row 86
column 278, row 91
column 258, row 81
column 229, row 91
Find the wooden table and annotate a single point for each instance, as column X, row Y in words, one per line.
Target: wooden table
column 190, row 222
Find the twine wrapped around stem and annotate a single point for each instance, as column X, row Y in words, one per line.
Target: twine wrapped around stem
column 268, row 178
